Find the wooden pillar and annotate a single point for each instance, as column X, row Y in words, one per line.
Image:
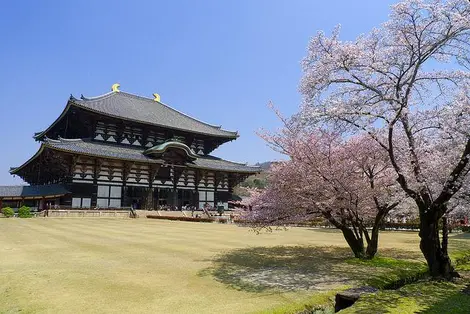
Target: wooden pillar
column 149, row 200
column 125, row 175
column 217, row 178
column 1, row 203
column 197, row 180
column 175, row 197
column 177, row 172
column 96, row 172
column 230, row 183
column 148, row 204
column 94, row 194
column 175, row 189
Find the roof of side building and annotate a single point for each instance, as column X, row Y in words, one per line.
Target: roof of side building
column 32, row 191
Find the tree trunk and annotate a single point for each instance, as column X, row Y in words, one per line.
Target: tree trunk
column 438, row 261
column 373, row 242
column 445, row 235
column 356, row 245
column 372, row 245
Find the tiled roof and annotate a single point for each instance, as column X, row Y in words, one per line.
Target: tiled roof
column 214, row 163
column 136, row 108
column 32, row 191
column 99, row 149
column 114, row 151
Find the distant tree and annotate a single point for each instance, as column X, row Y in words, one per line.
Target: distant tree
column 257, row 182
column 410, row 77
column 347, row 182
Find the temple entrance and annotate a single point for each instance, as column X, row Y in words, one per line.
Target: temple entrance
column 163, row 198
column 134, row 196
column 186, row 198
column 180, row 199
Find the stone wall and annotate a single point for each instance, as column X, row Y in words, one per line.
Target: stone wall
column 88, row 213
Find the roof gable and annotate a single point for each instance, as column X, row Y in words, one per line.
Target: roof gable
column 159, row 150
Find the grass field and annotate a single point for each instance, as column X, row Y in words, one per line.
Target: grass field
column 148, row 266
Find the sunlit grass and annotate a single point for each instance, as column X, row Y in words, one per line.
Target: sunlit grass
column 146, row 266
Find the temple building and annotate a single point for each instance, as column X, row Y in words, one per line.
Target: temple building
column 120, row 150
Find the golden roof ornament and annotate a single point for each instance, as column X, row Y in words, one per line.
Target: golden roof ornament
column 115, row 87
column 156, row 97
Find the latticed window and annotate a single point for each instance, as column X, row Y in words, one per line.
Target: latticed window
column 206, row 197
column 79, row 202
column 109, row 196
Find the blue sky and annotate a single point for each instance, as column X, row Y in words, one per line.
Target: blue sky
column 219, row 61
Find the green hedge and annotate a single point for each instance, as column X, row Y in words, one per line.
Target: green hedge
column 8, row 212
column 465, row 228
column 181, row 218
column 401, row 225
column 24, row 212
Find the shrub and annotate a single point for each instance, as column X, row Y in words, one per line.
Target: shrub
column 181, row 218
column 401, row 226
column 223, row 220
column 24, row 212
column 8, row 212
column 240, row 221
column 465, row 228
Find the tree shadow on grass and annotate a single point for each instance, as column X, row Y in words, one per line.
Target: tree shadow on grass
column 288, row 268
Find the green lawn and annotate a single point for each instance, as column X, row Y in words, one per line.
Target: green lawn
column 427, row 297
column 150, row 266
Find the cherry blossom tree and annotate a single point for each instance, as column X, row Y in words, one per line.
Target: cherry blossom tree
column 406, row 85
column 347, row 183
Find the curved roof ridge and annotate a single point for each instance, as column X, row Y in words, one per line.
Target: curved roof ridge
column 51, row 140
column 176, row 110
column 41, row 148
column 85, row 98
column 233, row 162
column 70, row 140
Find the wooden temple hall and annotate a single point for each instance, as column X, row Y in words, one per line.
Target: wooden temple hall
column 121, row 150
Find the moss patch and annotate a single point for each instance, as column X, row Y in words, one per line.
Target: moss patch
column 391, row 273
column 321, row 303
column 422, row 297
